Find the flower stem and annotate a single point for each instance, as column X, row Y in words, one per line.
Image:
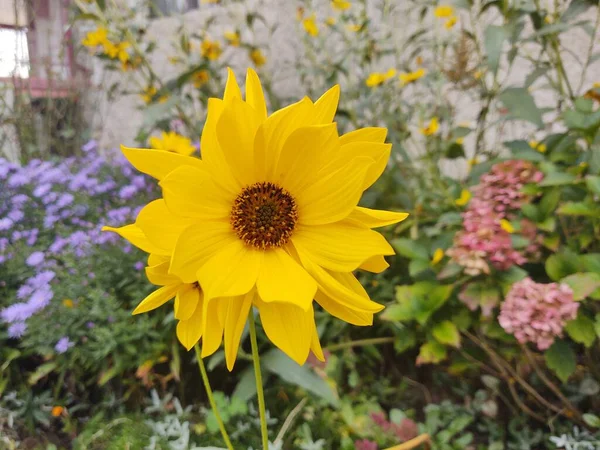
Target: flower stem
column 259, row 386
column 211, row 398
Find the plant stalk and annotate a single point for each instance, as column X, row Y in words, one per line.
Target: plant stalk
column 259, row 386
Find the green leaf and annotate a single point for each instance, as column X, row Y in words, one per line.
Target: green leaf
column 581, row 330
column 493, row 40
column 562, row 264
column 577, row 120
column 582, row 284
column 454, row 151
column 579, row 209
column 558, row 179
column 416, row 266
column 521, row 105
column 561, row 359
column 246, row 386
column 549, row 202
column 597, row 325
column 278, row 363
column 41, row 372
column 410, row 249
column 417, row 302
column 592, row 420
column 593, row 183
column 447, row 333
column 431, row 352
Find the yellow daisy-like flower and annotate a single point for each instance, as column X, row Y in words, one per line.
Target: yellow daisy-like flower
column 431, row 128
column 377, row 78
column 233, row 38
column 538, row 146
column 340, row 5
column 268, row 218
column 330, row 21
column 200, row 78
column 507, row 226
column 210, row 49
column 258, row 58
column 443, row 11
column 172, row 142
column 95, row 38
column 149, row 93
column 410, row 77
column 450, row 22
column 310, row 25
column 438, row 255
column 353, row 27
column 68, row 303
column 465, row 196
column 117, row 51
column 460, row 140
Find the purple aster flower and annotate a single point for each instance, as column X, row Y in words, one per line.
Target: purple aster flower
column 58, row 245
column 138, row 266
column 42, row 190
column 90, row 146
column 18, row 179
column 64, row 200
column 40, row 299
column 24, row 291
column 16, row 215
column 127, row 192
column 33, row 235
column 17, row 312
column 16, row 235
column 5, row 224
column 41, row 279
column 139, row 181
column 17, row 329
column 90, row 325
column 63, row 345
column 35, row 259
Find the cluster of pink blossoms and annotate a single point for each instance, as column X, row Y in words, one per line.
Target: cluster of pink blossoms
column 483, row 240
column 536, row 312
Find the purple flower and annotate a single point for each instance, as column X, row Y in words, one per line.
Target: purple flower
column 33, row 235
column 127, row 192
column 16, row 215
column 64, row 200
column 63, row 345
column 5, row 224
column 35, row 259
column 42, row 190
column 17, row 312
column 138, row 266
column 18, row 179
column 90, row 146
column 58, row 245
column 40, row 299
column 90, row 325
column 17, row 329
column 19, row 199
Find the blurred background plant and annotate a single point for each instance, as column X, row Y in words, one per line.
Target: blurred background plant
column 490, row 335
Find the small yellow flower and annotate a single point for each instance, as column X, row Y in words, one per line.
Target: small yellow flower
column 465, row 196
column 507, row 226
column 233, row 38
column 549, row 20
column 431, row 128
column 68, row 303
column 149, row 93
column 172, row 142
column 117, row 51
column 450, row 22
column 596, row 85
column 201, row 78
column 438, row 255
column 257, row 57
column 407, row 78
column 57, row 411
column 330, row 21
column 472, row 162
column 459, row 140
column 95, row 38
column 131, row 64
column 478, row 74
column 354, row 28
column 442, row 11
column 538, row 146
column 377, row 78
column 210, row 49
column 310, row 25
column 340, row 5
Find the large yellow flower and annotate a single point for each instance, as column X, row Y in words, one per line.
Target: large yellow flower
column 172, row 142
column 269, row 218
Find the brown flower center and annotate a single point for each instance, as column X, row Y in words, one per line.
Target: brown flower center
column 264, row 215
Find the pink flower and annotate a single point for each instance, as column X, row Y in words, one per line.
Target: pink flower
column 365, row 444
column 536, row 312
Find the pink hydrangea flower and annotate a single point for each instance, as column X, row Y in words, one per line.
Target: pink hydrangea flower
column 365, row 444
column 536, row 312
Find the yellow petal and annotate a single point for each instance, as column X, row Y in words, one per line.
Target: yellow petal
column 334, row 196
column 159, row 274
column 340, row 246
column 157, row 298
column 236, row 315
column 304, row 152
column 315, row 345
column 379, row 153
column 232, row 89
column 158, row 163
column 375, row 264
column 289, row 327
column 154, row 259
column 254, row 94
column 352, row 316
column 231, row 271
column 198, row 244
column 281, row 279
column 136, row 236
column 369, row 134
column 212, row 331
column 236, row 130
column 326, row 106
column 186, row 301
column 189, row 331
column 375, row 218
column 159, row 224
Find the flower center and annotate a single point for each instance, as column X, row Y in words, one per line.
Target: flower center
column 264, row 215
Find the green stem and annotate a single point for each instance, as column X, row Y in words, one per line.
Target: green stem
column 259, row 387
column 211, row 398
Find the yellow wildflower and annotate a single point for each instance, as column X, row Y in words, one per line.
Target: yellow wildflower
column 538, row 146
column 472, row 162
column 442, row 11
column 431, row 128
column 464, row 198
column 340, row 5
column 459, row 140
column 450, row 22
column 172, row 142
column 407, row 78
column 268, row 219
column 330, row 21
column 68, row 303
column 477, row 74
column 596, row 85
column 377, row 78
column 438, row 255
column 507, row 226
column 549, row 19
column 118, row 50
column 201, row 78
column 210, row 49
column 233, row 38
column 310, row 25
column 57, row 411
column 149, row 93
column 95, row 38
column 353, row 27
column 257, row 57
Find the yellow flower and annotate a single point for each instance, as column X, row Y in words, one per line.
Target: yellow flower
column 95, row 38
column 353, row 27
column 431, row 128
column 442, row 11
column 68, row 303
column 201, row 78
column 233, row 38
column 438, row 255
column 538, row 146
column 340, row 5
column 477, row 74
column 450, row 22
column 57, row 411
column 377, row 78
column 310, row 25
column 118, row 50
column 472, row 162
column 596, row 85
column 210, row 49
column 330, row 21
column 549, row 19
column 459, row 140
column 149, row 93
column 269, row 218
column 464, row 198
column 410, row 77
column 257, row 57
column 172, row 142
column 507, row 226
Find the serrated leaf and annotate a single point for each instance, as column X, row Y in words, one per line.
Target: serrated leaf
column 447, row 333
column 581, row 330
column 561, row 359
